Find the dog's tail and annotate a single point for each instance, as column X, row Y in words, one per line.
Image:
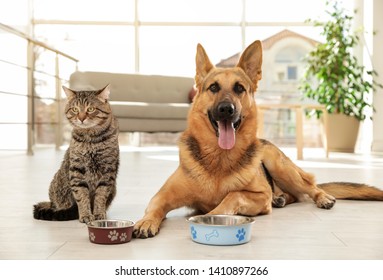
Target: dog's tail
column 46, row 211
column 353, row 191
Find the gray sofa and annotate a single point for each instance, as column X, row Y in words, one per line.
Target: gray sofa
column 142, row 103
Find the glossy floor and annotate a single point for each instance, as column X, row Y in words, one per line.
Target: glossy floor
column 351, row 230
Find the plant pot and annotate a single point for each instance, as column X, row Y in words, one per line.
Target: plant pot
column 342, row 133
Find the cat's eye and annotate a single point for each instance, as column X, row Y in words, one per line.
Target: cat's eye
column 75, row 110
column 90, row 110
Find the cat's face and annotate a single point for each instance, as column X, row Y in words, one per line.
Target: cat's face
column 87, row 109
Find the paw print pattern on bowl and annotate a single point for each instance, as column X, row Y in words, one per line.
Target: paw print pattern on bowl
column 92, row 237
column 113, row 235
column 123, row 237
column 241, row 234
column 193, row 233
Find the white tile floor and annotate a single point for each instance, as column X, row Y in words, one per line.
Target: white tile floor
column 351, row 230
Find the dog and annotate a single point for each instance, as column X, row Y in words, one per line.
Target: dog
column 224, row 168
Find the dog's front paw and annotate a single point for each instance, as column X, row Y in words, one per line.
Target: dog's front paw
column 279, row 201
column 325, row 201
column 146, row 228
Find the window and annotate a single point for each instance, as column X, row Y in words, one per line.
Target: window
column 292, row 73
column 160, row 37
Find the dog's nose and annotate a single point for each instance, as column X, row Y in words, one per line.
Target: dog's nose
column 225, row 110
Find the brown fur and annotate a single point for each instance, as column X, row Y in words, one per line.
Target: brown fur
column 220, row 175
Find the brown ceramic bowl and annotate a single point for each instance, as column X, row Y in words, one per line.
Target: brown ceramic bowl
column 110, row 231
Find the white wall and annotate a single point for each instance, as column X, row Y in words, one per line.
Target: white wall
column 377, row 58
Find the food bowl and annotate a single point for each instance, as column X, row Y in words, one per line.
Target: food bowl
column 110, row 231
column 220, row 229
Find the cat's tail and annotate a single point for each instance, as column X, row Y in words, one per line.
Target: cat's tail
column 354, row 191
column 45, row 211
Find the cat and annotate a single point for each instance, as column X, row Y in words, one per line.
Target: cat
column 85, row 185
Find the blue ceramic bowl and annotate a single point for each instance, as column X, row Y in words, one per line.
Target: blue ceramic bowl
column 220, row 229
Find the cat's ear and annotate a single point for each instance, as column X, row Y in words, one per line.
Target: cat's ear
column 104, row 93
column 69, row 93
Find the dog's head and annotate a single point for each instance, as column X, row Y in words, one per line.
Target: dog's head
column 225, row 96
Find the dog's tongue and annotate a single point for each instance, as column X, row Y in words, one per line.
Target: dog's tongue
column 226, row 138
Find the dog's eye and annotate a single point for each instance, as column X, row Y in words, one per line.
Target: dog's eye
column 214, row 88
column 238, row 88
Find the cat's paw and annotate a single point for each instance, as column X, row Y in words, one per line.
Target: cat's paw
column 101, row 216
column 86, row 219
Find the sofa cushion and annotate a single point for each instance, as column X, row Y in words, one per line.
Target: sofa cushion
column 136, row 87
column 145, row 110
column 151, row 125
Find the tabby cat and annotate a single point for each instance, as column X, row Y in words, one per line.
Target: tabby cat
column 85, row 185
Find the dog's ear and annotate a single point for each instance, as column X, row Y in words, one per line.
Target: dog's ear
column 251, row 61
column 203, row 65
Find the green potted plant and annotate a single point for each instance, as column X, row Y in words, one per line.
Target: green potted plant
column 335, row 78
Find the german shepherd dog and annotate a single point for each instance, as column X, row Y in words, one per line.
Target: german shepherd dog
column 224, row 168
